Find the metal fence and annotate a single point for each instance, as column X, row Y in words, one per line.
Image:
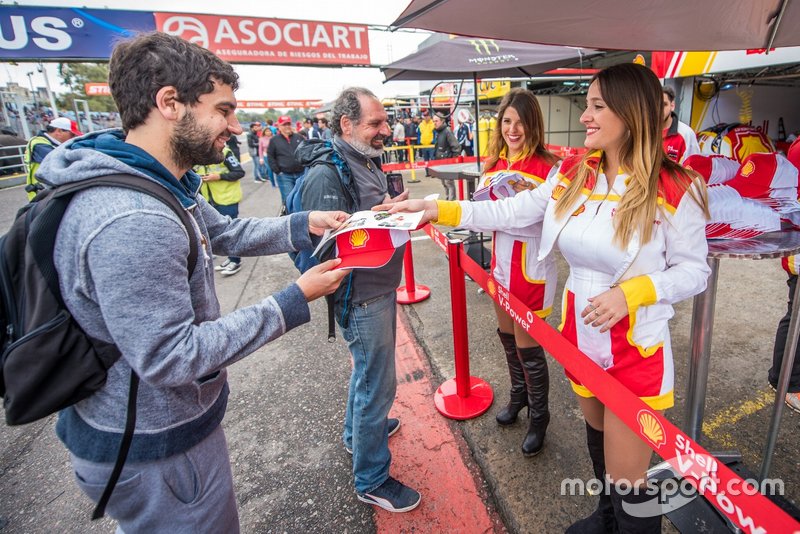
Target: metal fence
column 11, row 159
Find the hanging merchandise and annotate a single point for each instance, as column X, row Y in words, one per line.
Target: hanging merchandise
column 736, row 141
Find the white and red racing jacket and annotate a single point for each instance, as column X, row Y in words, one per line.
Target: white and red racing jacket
column 669, row 268
column 515, row 256
column 680, row 141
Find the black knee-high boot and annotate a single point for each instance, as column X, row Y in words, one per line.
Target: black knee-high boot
column 519, row 395
column 537, row 382
column 602, row 520
column 630, row 524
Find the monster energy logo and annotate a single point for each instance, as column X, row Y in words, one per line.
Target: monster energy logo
column 482, row 45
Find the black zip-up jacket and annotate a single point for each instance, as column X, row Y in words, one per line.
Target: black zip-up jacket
column 280, row 153
column 447, row 146
column 252, row 139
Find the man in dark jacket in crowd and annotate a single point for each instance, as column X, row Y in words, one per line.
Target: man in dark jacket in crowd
column 447, row 146
column 345, row 173
column 281, row 159
column 252, row 147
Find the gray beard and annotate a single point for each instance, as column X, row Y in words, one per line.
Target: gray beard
column 365, row 149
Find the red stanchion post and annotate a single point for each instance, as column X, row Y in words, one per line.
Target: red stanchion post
column 412, row 292
column 464, row 396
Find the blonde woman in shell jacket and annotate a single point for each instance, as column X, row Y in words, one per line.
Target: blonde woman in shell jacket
column 631, row 225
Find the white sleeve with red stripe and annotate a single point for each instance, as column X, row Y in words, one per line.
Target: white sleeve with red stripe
column 686, row 250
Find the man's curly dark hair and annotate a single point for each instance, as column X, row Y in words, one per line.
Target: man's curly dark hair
column 141, row 66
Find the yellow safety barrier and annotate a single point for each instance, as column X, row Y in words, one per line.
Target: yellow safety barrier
column 410, row 149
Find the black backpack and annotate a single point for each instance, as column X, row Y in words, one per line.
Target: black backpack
column 48, row 362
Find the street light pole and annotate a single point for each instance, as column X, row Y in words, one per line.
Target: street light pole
column 50, row 94
column 33, row 93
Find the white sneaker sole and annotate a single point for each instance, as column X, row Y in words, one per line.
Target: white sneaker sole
column 386, row 505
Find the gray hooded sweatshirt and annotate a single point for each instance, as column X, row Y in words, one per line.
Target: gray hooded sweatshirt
column 121, row 258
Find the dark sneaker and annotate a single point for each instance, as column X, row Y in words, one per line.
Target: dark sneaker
column 231, row 268
column 392, row 424
column 393, row 496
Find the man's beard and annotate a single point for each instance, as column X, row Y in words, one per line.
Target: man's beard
column 368, row 150
column 192, row 144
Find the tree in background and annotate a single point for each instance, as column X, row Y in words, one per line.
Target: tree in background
column 75, row 75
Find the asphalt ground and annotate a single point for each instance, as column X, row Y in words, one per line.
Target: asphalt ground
column 287, row 405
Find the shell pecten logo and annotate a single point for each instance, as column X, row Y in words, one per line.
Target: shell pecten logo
column 359, row 238
column 748, row 168
column 492, row 287
column 650, row 427
column 558, row 191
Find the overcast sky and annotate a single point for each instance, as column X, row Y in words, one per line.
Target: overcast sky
column 273, row 82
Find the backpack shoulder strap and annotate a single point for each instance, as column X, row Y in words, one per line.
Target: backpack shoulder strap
column 42, row 234
column 146, row 186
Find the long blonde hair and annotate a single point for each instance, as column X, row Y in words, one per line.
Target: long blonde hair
column 530, row 114
column 633, row 93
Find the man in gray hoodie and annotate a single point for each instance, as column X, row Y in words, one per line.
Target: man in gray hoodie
column 121, row 258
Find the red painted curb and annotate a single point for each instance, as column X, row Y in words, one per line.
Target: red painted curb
column 429, row 457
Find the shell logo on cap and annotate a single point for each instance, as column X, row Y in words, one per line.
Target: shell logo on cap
column 558, row 191
column 748, row 169
column 651, row 428
column 359, row 238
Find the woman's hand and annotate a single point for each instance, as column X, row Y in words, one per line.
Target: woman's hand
column 211, row 177
column 430, row 208
column 606, row 309
column 319, row 221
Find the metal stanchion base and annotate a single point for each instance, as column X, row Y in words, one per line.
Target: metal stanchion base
column 476, row 403
column 418, row 294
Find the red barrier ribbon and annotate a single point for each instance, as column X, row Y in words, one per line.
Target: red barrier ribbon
column 752, row 512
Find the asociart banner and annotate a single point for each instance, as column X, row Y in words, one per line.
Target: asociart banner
column 252, row 40
column 59, row 34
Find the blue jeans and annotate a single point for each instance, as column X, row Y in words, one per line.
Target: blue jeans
column 428, row 153
column 257, row 175
column 286, row 181
column 231, row 211
column 370, row 335
column 266, row 170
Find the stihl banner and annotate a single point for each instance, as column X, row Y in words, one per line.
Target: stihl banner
column 277, row 104
column 255, row 40
column 96, row 89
